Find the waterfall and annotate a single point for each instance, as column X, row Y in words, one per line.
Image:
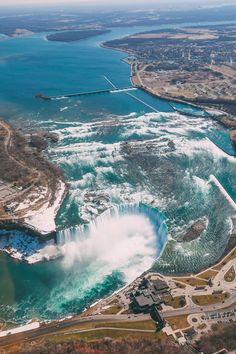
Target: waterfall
column 153, row 215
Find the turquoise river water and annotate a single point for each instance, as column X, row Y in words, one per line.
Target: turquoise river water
column 139, row 174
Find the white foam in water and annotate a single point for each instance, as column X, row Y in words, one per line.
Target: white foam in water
column 201, row 183
column 85, row 147
column 121, row 243
column 128, row 240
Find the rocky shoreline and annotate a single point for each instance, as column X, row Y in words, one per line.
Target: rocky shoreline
column 31, row 188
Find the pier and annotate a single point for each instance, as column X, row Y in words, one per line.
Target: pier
column 86, row 93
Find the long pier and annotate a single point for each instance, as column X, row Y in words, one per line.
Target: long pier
column 86, row 93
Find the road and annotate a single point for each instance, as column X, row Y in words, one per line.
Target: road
column 190, row 311
column 57, row 327
column 111, row 328
column 7, row 145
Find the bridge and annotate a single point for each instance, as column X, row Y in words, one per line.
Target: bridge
column 86, row 93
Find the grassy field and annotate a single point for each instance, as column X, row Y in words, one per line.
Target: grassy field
column 148, row 325
column 193, row 281
column 178, row 322
column 203, row 300
column 176, row 302
column 208, row 274
column 113, row 310
column 93, row 335
column 230, row 275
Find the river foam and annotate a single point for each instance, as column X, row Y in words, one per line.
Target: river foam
column 127, row 238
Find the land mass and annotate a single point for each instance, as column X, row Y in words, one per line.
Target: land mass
column 176, row 314
column 31, row 188
column 72, row 36
column 14, row 24
column 193, row 65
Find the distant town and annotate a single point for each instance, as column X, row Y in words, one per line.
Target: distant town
column 190, row 64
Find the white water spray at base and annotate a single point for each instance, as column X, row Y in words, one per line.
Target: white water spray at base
column 127, row 239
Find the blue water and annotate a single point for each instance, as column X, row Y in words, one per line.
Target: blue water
column 114, row 151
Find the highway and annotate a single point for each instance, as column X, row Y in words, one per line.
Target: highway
column 193, row 309
column 205, row 309
column 56, row 327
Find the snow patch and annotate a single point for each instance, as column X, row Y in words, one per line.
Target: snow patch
column 44, row 220
column 28, row 327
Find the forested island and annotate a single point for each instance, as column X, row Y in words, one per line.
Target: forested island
column 72, row 36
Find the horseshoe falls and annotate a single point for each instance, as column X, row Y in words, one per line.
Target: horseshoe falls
column 139, row 176
column 137, row 234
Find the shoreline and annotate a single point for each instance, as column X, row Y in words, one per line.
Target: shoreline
column 209, row 107
column 29, row 225
column 146, row 89
column 105, row 301
column 33, row 200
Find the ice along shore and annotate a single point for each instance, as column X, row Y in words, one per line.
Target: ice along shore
column 31, row 188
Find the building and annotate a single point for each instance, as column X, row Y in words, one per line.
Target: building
column 157, row 317
column 160, row 286
column 148, row 295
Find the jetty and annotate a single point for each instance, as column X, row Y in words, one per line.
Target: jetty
column 85, row 93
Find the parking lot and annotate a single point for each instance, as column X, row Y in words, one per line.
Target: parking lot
column 225, row 316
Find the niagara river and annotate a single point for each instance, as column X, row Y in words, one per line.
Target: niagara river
column 139, row 175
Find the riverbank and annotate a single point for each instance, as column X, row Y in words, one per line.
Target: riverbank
column 115, row 309
column 208, row 106
column 218, row 110
column 31, row 188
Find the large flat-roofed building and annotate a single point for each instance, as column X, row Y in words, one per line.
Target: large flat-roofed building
column 147, row 295
column 160, row 286
column 142, row 302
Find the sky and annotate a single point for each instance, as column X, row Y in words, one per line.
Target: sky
column 111, row 2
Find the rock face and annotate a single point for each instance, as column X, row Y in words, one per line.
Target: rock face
column 41, row 139
column 233, row 138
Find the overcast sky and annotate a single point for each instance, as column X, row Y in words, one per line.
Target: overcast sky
column 110, row 2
